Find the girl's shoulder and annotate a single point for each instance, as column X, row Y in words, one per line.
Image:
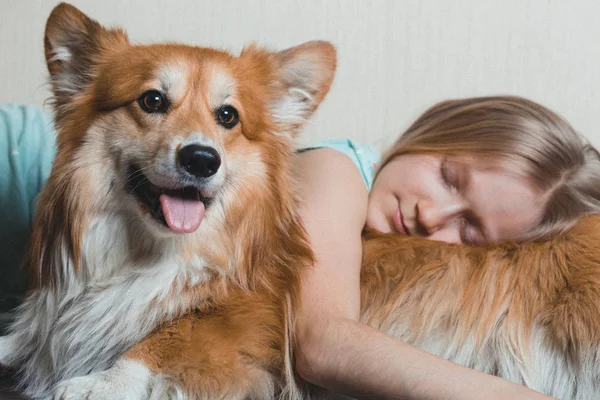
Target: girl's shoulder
column 364, row 157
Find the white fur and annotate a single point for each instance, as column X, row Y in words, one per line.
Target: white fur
column 66, row 84
column 221, row 88
column 506, row 354
column 172, row 79
column 126, row 380
column 294, row 108
column 60, row 53
column 115, row 305
column 166, row 388
column 253, row 169
column 69, row 81
column 552, row 374
column 8, row 347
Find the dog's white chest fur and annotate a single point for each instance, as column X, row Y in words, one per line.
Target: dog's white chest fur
column 110, row 306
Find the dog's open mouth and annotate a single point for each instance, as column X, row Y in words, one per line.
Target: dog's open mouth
column 182, row 210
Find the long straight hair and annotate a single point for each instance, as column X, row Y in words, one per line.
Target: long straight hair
column 520, row 136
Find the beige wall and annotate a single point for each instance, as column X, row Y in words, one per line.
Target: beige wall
column 395, row 57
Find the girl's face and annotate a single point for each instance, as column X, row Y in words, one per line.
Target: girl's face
column 452, row 200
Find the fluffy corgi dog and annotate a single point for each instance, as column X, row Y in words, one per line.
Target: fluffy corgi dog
column 170, row 192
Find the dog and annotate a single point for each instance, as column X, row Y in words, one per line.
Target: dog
column 170, row 193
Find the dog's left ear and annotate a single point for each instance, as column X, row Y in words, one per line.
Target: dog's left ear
column 306, row 74
column 73, row 44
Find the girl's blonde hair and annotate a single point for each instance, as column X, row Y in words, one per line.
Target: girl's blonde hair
column 519, row 135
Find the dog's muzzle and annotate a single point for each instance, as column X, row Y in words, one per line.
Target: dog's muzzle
column 181, row 209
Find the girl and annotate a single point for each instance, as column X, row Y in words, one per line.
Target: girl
column 467, row 171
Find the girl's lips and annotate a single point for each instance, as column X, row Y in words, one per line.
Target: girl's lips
column 398, row 224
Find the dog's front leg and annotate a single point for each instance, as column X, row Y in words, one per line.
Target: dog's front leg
column 233, row 353
column 126, row 380
column 195, row 357
column 130, row 378
column 212, row 356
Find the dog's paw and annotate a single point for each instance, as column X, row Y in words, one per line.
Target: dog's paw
column 127, row 380
column 8, row 346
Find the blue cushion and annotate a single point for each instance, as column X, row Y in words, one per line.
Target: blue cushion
column 27, row 148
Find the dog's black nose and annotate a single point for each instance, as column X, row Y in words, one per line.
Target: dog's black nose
column 201, row 161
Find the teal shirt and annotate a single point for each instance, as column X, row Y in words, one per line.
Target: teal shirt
column 27, row 148
column 365, row 157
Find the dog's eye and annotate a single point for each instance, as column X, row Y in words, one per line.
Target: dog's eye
column 227, row 116
column 153, row 101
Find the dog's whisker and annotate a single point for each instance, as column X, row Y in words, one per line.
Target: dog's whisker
column 138, row 185
column 138, row 172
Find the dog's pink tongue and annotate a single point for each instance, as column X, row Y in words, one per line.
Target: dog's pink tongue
column 182, row 215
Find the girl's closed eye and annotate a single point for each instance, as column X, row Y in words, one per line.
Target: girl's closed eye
column 451, row 180
column 466, row 236
column 471, row 230
column 448, row 175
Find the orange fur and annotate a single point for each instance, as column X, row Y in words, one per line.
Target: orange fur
column 535, row 297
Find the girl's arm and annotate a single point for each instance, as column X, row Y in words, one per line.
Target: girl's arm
column 333, row 349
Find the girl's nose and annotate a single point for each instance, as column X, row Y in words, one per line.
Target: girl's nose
column 433, row 216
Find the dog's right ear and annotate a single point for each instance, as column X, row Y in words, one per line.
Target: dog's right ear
column 306, row 74
column 72, row 44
